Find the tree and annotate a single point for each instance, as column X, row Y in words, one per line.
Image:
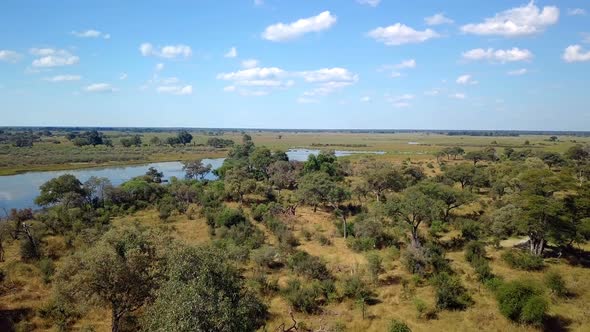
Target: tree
column 203, row 293
column 542, row 211
column 282, row 175
column 184, row 137
column 412, row 208
column 381, row 177
column 153, row 175
column 450, row 197
column 58, row 189
column 239, row 183
column 196, row 169
column 260, row 160
column 122, row 271
column 131, row 141
column 155, row 141
column 172, row 141
column 462, row 173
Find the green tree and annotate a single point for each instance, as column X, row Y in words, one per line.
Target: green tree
column 184, row 137
column 203, row 293
column 196, row 169
column 239, row 183
column 381, row 177
column 58, row 189
column 461, row 173
column 122, row 271
column 450, row 197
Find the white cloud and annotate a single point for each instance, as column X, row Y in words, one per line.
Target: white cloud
column 256, row 81
column 168, row 52
column 49, row 57
column 258, row 2
column 232, row 53
column 466, row 79
column 328, row 79
column 328, row 74
column 509, row 55
column 9, row 56
column 433, row 92
column 458, row 96
column 401, row 101
column 123, row 76
column 159, row 67
column 170, row 80
column 396, row 74
column 91, row 34
column 372, row 3
column 249, row 63
column 520, row 21
column 438, row 19
column 305, row 100
column 100, row 88
column 283, row 32
column 176, row 90
column 256, row 73
column 575, row 53
column 517, row 72
column 365, row 99
column 64, row 78
column 399, row 34
column 411, row 63
column 576, row 12
column 229, row 88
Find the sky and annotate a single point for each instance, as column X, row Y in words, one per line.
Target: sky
column 306, row 64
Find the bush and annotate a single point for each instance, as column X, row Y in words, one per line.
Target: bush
column 398, row 326
column 230, row 217
column 324, row 240
column 425, row 260
column 482, row 269
column 354, row 287
column 523, row 260
column 47, row 269
column 308, row 265
column 470, row 230
column 450, row 293
column 266, row 256
column 374, row 265
column 474, row 250
column 259, row 211
column 30, row 249
column 556, row 284
column 360, row 244
column 302, row 298
column 522, row 302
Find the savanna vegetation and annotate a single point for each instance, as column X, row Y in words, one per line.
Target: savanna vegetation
column 449, row 236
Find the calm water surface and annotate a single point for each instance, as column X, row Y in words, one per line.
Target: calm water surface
column 19, row 191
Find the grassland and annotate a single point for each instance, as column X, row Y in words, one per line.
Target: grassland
column 49, row 155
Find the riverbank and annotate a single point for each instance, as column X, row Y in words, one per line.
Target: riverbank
column 7, row 171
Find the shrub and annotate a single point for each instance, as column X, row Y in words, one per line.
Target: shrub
column 425, row 260
column 522, row 301
column 354, row 287
column 30, row 248
column 473, row 250
column 360, row 244
column 307, row 235
column 266, row 256
column 374, row 265
column 302, row 298
column 450, row 293
column 555, row 283
column 398, row 326
column 482, row 269
column 470, row 229
column 308, row 265
column 259, row 211
column 47, row 269
column 324, row 240
column 230, row 217
column 523, row 260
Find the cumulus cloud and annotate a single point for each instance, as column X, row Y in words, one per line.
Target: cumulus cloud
column 576, row 12
column 282, row 32
column 64, row 78
column 400, row 101
column 372, row 3
column 438, row 19
column 399, row 34
column 254, row 81
column 517, row 72
column 159, row 67
column 49, row 57
column 168, row 52
column 9, row 56
column 100, row 88
column 458, row 96
column 411, row 63
column 176, row 90
column 575, row 53
column 91, row 34
column 502, row 56
column 365, row 99
column 249, row 63
column 515, row 22
column 465, row 80
column 328, row 80
column 232, row 53
column 306, row 100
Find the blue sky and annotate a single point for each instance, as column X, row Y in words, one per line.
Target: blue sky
column 389, row 64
